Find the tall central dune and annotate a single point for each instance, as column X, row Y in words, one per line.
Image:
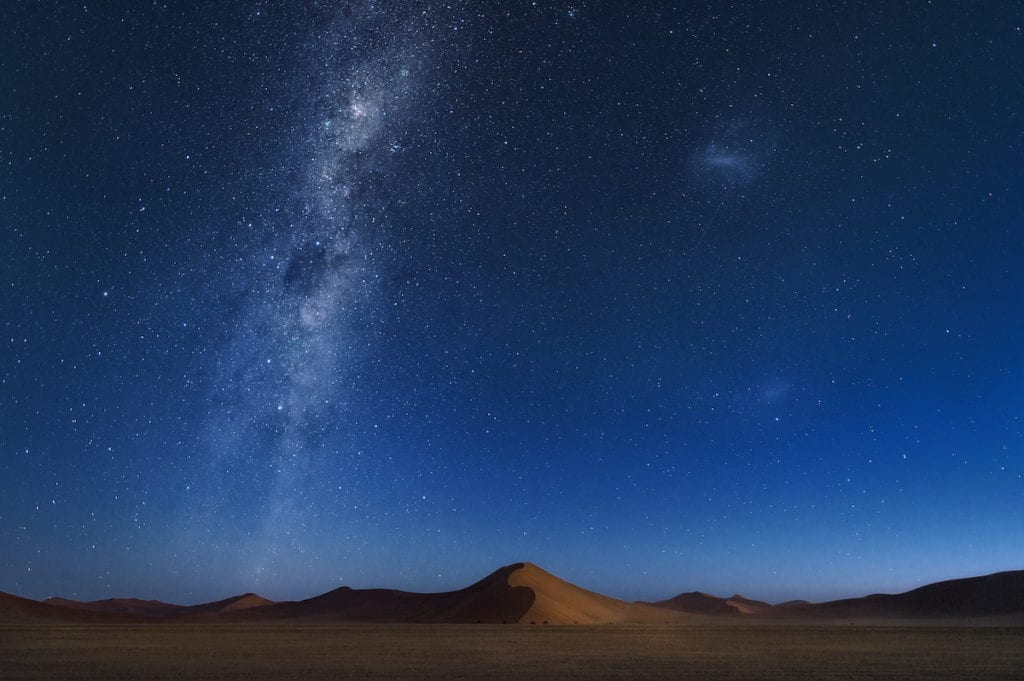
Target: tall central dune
column 559, row 602
column 521, row 592
column 233, row 604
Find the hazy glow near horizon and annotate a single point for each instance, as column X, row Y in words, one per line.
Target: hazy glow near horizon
column 394, row 293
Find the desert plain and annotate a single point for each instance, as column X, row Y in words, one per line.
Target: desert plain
column 517, row 652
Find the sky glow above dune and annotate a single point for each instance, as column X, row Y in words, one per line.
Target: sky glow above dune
column 660, row 297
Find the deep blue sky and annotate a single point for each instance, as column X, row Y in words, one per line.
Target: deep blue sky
column 658, row 297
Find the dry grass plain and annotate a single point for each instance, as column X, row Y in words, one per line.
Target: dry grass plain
column 519, row 652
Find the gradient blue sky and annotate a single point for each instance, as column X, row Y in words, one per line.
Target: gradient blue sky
column 659, row 296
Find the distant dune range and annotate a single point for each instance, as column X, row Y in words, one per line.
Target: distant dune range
column 701, row 603
column 524, row 593
column 996, row 595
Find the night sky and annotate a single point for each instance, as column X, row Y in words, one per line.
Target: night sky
column 659, row 296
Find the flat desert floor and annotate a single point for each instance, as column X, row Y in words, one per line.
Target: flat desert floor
column 511, row 652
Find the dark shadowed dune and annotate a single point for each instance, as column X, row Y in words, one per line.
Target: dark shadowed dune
column 699, row 603
column 491, row 599
column 18, row 610
column 138, row 608
column 993, row 595
column 119, row 606
column 999, row 595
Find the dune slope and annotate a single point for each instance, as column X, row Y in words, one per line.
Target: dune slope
column 697, row 602
column 521, row 592
column 992, row 595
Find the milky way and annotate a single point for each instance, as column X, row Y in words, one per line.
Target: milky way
column 286, row 374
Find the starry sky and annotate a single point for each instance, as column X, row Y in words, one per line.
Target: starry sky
column 659, row 296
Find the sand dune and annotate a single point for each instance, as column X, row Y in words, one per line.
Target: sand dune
column 14, row 609
column 120, row 606
column 993, row 595
column 18, row 610
column 560, row 602
column 524, row 593
column 137, row 608
column 996, row 595
column 521, row 592
column 697, row 602
column 747, row 606
column 234, row 604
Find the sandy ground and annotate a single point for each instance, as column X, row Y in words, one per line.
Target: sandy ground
column 520, row 652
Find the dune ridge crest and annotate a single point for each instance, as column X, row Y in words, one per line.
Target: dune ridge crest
column 516, row 593
column 527, row 594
